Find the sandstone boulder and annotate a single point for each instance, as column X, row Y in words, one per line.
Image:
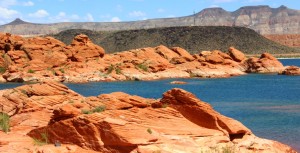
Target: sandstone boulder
column 265, row 64
column 205, row 53
column 83, row 48
column 214, row 59
column 166, row 52
column 182, row 52
column 191, row 107
column 291, row 70
column 236, row 54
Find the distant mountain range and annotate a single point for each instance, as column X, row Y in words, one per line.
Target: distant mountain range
column 263, row 19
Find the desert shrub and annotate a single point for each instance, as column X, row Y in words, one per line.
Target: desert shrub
column 143, row 66
column 149, row 131
column 23, row 91
column 165, row 105
column 97, row 109
column 43, row 140
column 110, row 69
column 31, row 71
column 4, row 122
column 62, row 70
column 2, row 70
column 86, row 111
column 227, row 149
column 118, row 70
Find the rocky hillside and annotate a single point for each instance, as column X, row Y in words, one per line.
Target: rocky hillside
column 193, row 39
column 292, row 40
column 49, row 117
column 262, row 19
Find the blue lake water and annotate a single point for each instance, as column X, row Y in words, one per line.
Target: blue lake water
column 292, row 61
column 268, row 104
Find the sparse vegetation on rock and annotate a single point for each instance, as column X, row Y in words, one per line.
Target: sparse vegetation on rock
column 4, row 122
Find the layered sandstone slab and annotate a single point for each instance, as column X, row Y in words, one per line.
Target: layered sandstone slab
column 120, row 123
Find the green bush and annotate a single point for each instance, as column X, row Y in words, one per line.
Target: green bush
column 62, row 70
column 43, row 139
column 2, row 70
column 118, row 70
column 4, row 122
column 97, row 109
column 31, row 71
column 149, row 131
column 143, row 66
column 110, row 69
column 86, row 111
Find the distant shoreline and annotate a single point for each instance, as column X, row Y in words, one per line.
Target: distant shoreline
column 279, row 56
column 288, row 57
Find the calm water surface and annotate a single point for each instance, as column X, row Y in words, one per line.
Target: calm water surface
column 291, row 61
column 267, row 104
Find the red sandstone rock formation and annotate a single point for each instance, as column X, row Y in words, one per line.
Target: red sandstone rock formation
column 39, row 59
column 83, row 49
column 236, row 54
column 119, row 122
column 265, row 64
column 291, row 70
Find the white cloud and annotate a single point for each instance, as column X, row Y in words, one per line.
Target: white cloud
column 89, row 17
column 115, row 19
column 161, row 10
column 7, row 13
column 7, row 3
column 137, row 14
column 29, row 3
column 63, row 17
column 39, row 14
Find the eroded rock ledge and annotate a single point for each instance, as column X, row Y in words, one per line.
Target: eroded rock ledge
column 44, row 58
column 120, row 123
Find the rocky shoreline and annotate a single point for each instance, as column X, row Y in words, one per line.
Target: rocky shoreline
column 41, row 59
column 49, row 117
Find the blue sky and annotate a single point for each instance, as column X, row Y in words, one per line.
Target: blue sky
column 51, row 11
